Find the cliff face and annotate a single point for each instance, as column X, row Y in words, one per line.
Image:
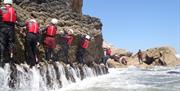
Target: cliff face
column 74, row 5
column 77, row 6
column 69, row 12
column 54, row 75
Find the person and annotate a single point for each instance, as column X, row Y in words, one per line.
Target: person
column 116, row 57
column 123, row 60
column 50, row 42
column 32, row 41
column 1, row 34
column 107, row 54
column 7, row 28
column 83, row 45
column 161, row 59
column 66, row 40
column 139, row 54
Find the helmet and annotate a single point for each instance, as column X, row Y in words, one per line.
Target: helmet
column 8, row 2
column 116, row 55
column 108, row 46
column 32, row 20
column 54, row 21
column 61, row 32
column 70, row 30
column 87, row 37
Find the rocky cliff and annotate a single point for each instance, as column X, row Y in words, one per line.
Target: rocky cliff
column 54, row 75
column 69, row 12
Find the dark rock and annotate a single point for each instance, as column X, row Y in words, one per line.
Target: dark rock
column 69, row 14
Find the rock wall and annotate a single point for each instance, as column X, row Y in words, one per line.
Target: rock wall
column 77, row 6
column 69, row 12
column 54, row 75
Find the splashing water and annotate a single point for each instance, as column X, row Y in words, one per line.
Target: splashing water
column 124, row 79
column 131, row 79
column 44, row 78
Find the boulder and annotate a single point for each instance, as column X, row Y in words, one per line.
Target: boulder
column 161, row 56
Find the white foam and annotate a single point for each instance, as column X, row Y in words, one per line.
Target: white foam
column 178, row 55
column 115, row 79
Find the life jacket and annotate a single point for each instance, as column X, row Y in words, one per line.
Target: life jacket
column 1, row 12
column 70, row 39
column 51, row 30
column 67, row 39
column 32, row 27
column 108, row 52
column 84, row 43
column 1, row 15
column 9, row 15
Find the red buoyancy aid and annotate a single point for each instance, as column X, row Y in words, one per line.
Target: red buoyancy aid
column 70, row 39
column 1, row 12
column 9, row 15
column 32, row 27
column 85, row 43
column 51, row 30
column 108, row 52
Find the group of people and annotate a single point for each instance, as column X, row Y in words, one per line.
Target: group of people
column 32, row 39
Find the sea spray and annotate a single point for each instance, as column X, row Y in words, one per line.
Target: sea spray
column 45, row 77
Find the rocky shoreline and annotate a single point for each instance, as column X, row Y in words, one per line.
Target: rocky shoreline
column 168, row 56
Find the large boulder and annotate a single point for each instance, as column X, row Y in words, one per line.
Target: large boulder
column 161, row 54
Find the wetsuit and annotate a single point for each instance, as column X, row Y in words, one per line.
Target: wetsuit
column 7, row 30
column 66, row 43
column 83, row 45
column 50, row 42
column 32, row 37
column 107, row 54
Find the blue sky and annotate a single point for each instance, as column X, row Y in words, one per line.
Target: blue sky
column 138, row 24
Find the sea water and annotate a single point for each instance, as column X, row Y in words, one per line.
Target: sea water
column 121, row 79
column 132, row 79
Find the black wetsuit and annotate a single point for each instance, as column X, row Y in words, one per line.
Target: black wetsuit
column 31, row 51
column 80, row 54
column 7, row 38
